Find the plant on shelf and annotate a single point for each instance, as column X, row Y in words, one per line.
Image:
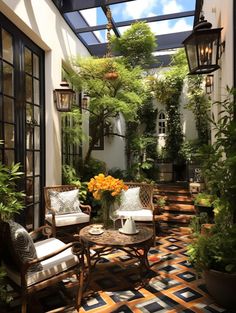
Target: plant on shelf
column 107, row 189
column 213, row 252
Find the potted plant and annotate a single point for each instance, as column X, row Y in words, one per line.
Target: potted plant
column 204, row 202
column 10, row 204
column 213, row 252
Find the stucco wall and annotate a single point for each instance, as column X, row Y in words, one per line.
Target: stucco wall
column 41, row 21
column 220, row 14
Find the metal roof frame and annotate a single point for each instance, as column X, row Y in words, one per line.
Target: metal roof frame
column 164, row 42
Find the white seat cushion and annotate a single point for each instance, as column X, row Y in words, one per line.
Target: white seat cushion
column 52, row 266
column 143, row 215
column 68, row 219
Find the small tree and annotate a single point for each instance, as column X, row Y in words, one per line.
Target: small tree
column 108, row 98
column 136, row 44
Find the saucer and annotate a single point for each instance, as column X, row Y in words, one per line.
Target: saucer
column 96, row 232
column 123, row 232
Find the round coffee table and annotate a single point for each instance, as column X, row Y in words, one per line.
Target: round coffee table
column 136, row 246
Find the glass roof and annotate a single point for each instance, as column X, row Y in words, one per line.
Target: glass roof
column 170, row 20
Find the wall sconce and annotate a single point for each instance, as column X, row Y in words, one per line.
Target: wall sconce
column 64, row 97
column 209, row 84
column 202, row 48
column 85, row 102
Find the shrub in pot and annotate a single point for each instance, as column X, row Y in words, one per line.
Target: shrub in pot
column 213, row 253
column 204, row 203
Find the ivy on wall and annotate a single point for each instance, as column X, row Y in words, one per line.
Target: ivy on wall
column 199, row 104
column 167, row 89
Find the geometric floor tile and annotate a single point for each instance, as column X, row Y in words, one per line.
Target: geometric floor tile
column 171, row 285
column 159, row 304
column 187, row 294
column 187, row 276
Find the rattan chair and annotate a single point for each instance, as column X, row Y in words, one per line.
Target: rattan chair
column 68, row 222
column 145, row 214
column 57, row 261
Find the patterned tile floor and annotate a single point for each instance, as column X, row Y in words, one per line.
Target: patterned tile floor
column 170, row 286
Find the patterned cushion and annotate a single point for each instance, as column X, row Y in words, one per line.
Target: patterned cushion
column 65, row 202
column 24, row 245
column 130, row 200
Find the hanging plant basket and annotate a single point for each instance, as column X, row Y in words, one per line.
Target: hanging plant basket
column 111, row 75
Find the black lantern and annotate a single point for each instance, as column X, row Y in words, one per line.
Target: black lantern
column 84, row 102
column 64, row 97
column 209, row 84
column 202, row 48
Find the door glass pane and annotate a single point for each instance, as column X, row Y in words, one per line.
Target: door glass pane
column 36, row 65
column 29, row 190
column 36, row 115
column 7, row 50
column 36, row 215
column 9, row 136
column 29, row 113
column 37, row 163
column 29, row 163
column 9, row 157
column 8, row 79
column 28, row 88
column 36, row 91
column 8, row 109
column 36, row 189
column 36, row 137
column 28, row 61
column 29, row 137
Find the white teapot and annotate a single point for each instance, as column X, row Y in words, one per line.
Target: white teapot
column 129, row 226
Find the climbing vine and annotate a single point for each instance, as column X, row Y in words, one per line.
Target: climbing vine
column 167, row 89
column 199, row 104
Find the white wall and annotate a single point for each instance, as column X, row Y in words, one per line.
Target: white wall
column 114, row 153
column 220, row 14
column 41, row 21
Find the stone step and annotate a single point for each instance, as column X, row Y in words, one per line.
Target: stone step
column 170, row 191
column 174, row 218
column 179, row 199
column 180, row 208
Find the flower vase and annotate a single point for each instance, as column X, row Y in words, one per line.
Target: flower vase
column 107, row 203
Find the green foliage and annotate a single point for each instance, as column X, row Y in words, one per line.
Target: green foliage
column 136, row 44
column 11, row 200
column 4, row 295
column 167, row 89
column 204, row 199
column 108, row 98
column 215, row 250
column 199, row 104
column 71, row 126
column 219, row 160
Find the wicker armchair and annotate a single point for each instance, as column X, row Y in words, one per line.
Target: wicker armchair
column 69, row 221
column 145, row 213
column 56, row 259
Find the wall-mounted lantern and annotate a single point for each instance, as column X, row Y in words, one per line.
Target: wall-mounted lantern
column 209, row 84
column 85, row 101
column 202, row 48
column 64, row 97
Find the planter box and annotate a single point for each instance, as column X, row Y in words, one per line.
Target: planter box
column 222, row 287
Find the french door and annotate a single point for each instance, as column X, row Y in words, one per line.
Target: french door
column 22, row 115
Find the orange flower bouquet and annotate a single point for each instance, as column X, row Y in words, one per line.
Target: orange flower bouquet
column 107, row 189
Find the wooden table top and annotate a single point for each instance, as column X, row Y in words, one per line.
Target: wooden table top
column 111, row 237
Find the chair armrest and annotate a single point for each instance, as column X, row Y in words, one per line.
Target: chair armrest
column 44, row 230
column 75, row 250
column 86, row 208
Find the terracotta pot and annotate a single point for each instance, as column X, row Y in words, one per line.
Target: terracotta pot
column 222, row 287
column 111, row 75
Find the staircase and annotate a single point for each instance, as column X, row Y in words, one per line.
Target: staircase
column 179, row 208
